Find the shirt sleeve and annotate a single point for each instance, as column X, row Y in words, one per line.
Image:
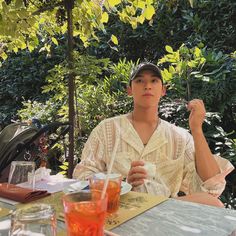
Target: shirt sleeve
column 92, row 157
column 192, row 181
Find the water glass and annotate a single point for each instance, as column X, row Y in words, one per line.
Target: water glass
column 34, row 220
column 113, row 189
column 22, row 173
column 85, row 213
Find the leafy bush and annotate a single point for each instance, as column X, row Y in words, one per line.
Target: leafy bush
column 21, row 78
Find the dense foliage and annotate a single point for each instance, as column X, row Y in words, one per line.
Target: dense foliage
column 212, row 23
column 21, row 79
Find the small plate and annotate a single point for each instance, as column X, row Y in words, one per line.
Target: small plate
column 125, row 188
column 83, row 185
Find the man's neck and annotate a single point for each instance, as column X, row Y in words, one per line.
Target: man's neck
column 146, row 115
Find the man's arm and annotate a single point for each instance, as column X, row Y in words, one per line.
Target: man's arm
column 91, row 159
column 206, row 164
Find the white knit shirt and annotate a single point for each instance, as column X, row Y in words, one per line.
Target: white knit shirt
column 170, row 148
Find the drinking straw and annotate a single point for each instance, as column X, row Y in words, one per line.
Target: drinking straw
column 109, row 233
column 111, row 164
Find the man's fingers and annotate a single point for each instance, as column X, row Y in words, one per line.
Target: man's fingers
column 137, row 173
column 136, row 177
column 137, row 169
column 137, row 183
column 196, row 104
column 137, row 163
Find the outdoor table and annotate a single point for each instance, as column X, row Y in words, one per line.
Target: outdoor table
column 169, row 218
column 180, row 218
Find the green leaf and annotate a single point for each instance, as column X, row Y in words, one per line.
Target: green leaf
column 23, row 45
column 171, row 69
column 15, row 49
column 169, row 49
column 30, row 47
column 113, row 3
column 166, row 75
column 114, row 39
column 63, row 167
column 114, row 48
column 54, row 40
column 133, row 23
column 140, row 19
column 149, row 12
column 3, row 55
column 191, row 64
column 19, row 3
column 64, row 28
column 62, row 172
column 206, row 79
column 191, row 3
column 141, row 4
column 105, row 17
column 66, row 163
column 197, row 52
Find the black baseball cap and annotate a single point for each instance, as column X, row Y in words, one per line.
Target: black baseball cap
column 145, row 66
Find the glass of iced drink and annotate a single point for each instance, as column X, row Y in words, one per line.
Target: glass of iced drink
column 85, row 213
column 113, row 189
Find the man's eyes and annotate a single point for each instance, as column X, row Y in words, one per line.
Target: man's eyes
column 139, row 80
column 155, row 80
column 142, row 81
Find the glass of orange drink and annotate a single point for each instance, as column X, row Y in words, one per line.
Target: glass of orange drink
column 85, row 213
column 113, row 189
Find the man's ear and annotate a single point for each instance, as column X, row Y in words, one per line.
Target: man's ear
column 129, row 91
column 163, row 90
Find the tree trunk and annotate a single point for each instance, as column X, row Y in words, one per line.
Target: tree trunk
column 69, row 4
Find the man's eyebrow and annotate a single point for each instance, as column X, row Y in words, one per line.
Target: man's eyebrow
column 138, row 75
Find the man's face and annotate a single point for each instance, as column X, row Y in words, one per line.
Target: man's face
column 146, row 89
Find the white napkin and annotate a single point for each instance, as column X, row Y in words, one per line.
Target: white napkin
column 40, row 174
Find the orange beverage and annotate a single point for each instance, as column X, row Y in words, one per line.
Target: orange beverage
column 113, row 190
column 85, row 213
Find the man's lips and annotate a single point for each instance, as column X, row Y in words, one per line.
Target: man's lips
column 147, row 95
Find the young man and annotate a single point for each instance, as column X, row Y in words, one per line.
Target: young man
column 182, row 162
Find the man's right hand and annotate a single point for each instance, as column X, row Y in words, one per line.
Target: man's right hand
column 136, row 174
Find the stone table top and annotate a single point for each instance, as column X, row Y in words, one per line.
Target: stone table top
column 180, row 218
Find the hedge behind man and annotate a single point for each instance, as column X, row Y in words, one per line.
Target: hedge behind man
column 182, row 161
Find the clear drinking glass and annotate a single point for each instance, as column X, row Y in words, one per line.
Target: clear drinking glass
column 97, row 182
column 22, row 172
column 85, row 213
column 34, row 220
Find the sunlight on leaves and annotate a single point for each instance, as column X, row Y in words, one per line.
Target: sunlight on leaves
column 105, row 17
column 114, row 39
column 169, row 49
column 149, row 12
column 54, row 40
column 191, row 3
column 113, row 3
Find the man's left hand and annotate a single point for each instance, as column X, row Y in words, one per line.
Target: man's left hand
column 197, row 114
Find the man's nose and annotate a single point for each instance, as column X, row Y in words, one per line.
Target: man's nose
column 147, row 86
